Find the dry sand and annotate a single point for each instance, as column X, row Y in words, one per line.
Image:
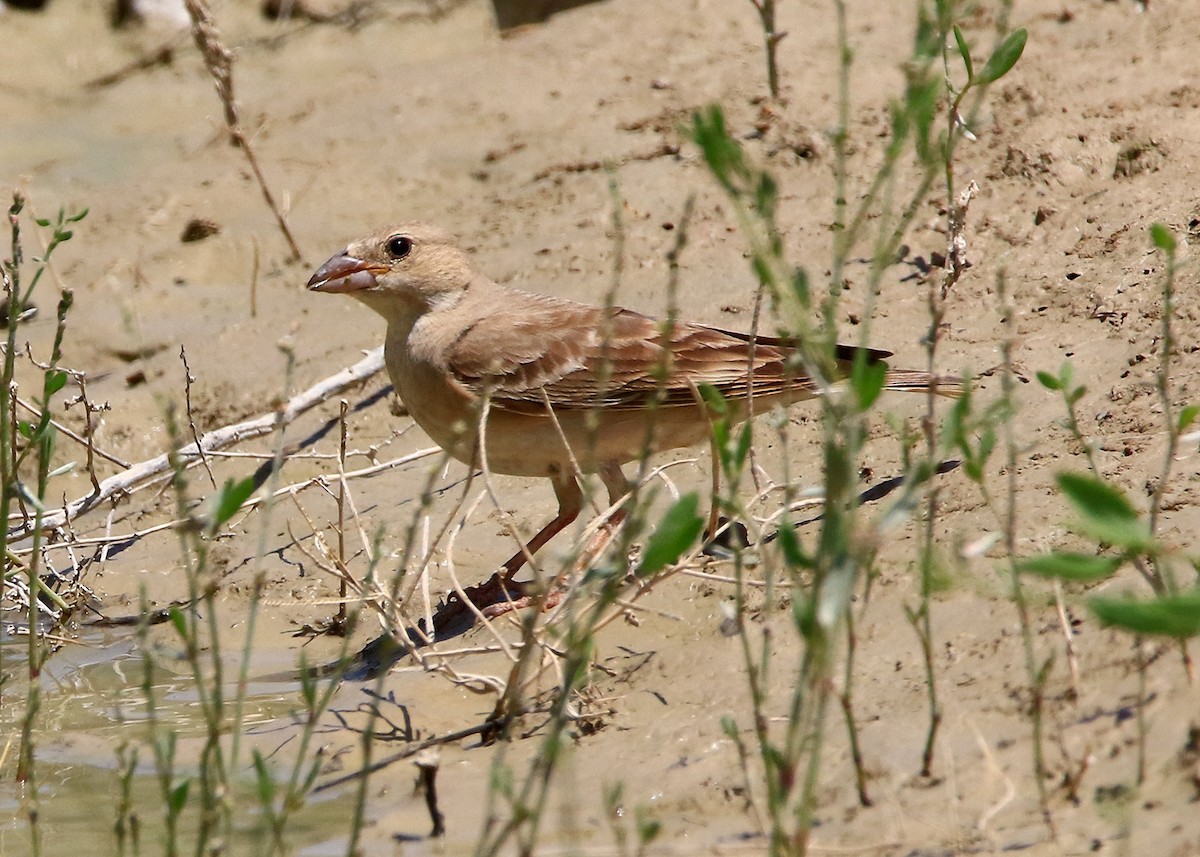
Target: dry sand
column 503, row 140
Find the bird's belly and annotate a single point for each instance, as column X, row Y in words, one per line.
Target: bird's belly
column 533, row 444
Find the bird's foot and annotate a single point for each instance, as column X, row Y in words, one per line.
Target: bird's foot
column 499, row 595
column 544, row 601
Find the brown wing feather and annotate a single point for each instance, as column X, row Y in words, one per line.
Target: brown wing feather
column 579, row 356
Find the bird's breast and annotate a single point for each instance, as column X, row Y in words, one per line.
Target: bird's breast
column 442, row 407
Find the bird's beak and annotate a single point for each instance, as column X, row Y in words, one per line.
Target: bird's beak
column 344, row 273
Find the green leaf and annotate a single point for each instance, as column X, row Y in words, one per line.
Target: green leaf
column 800, row 287
column 230, row 498
column 975, row 458
column 178, row 798
column 928, row 41
column 1188, row 416
column 923, row 99
column 41, row 221
column 266, row 785
column 721, row 151
column 762, row 268
column 1003, row 58
column 732, row 452
column 713, row 398
column 1105, row 512
column 47, row 435
column 308, row 684
column 804, row 616
column 867, row 380
column 729, row 727
column 1048, row 381
column 679, row 529
column 743, row 446
column 765, row 194
column 1079, row 567
column 789, row 543
column 1162, row 238
column 29, row 496
column 1170, row 615
column 647, row 828
column 964, row 51
column 178, row 621
column 25, row 428
column 55, row 381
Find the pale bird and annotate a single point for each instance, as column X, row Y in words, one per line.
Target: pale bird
column 570, row 388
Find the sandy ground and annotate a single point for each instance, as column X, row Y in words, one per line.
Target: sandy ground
column 1088, row 142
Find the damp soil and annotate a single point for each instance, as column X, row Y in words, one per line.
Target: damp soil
column 507, row 142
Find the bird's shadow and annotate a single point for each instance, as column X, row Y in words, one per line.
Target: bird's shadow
column 455, row 617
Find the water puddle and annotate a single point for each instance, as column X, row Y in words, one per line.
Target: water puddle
column 94, row 713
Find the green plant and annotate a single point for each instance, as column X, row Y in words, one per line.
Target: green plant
column 1122, row 536
column 821, row 579
column 27, row 451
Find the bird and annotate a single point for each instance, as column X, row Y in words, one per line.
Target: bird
column 555, row 388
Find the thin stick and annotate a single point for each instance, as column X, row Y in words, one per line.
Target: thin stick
column 1069, row 638
column 254, row 280
column 449, row 738
column 188, row 378
column 219, row 61
column 159, row 466
column 84, row 441
column 340, row 621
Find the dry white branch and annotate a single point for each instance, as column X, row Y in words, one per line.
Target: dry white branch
column 158, row 467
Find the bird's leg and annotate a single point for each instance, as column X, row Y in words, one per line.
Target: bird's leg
column 618, row 487
column 570, row 503
column 714, row 509
column 510, row 595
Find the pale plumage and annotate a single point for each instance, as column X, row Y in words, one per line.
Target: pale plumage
column 620, row 384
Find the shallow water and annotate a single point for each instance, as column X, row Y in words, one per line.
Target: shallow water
column 78, row 807
column 93, row 711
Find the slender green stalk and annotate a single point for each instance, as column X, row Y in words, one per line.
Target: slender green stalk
column 847, row 701
column 1163, row 573
column 771, row 40
column 1037, row 677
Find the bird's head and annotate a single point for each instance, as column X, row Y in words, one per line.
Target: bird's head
column 409, row 268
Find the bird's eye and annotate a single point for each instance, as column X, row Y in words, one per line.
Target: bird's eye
column 399, row 246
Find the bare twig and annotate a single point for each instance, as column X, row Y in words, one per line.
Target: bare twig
column 219, row 61
column 164, row 54
column 83, row 440
column 340, row 621
column 188, row 378
column 160, row 466
column 408, row 753
column 427, row 766
column 89, row 430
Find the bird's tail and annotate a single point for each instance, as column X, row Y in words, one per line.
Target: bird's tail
column 916, row 380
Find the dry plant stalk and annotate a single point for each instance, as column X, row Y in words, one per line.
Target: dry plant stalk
column 145, row 471
column 219, row 61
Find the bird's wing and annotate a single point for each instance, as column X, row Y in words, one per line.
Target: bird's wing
column 578, row 356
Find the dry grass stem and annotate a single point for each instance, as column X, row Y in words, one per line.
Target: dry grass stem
column 219, row 62
column 160, row 467
column 84, row 441
column 188, row 379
